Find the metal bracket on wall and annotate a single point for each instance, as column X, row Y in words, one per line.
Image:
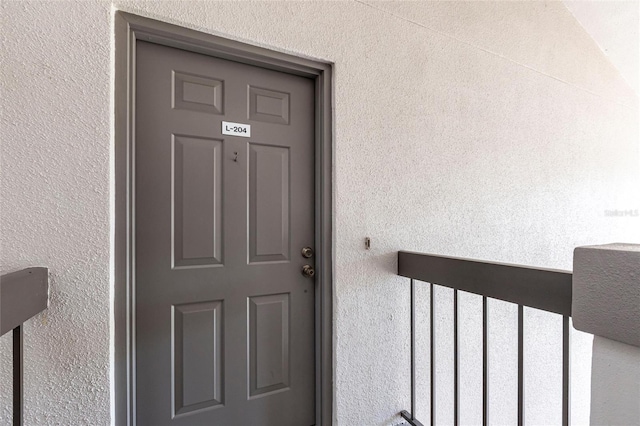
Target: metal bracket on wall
column 409, row 418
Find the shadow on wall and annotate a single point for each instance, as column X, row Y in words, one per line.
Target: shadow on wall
column 615, row 383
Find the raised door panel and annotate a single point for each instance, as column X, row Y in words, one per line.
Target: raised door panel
column 269, row 106
column 197, row 93
column 268, row 344
column 197, row 202
column 268, row 204
column 198, row 367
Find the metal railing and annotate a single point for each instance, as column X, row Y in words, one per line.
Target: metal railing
column 23, row 294
column 544, row 289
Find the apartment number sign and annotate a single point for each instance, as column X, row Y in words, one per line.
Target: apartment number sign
column 236, row 129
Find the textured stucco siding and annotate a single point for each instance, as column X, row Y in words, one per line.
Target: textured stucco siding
column 606, row 292
column 55, row 197
column 616, row 370
column 495, row 131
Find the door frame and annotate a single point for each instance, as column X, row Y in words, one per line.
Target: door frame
column 128, row 29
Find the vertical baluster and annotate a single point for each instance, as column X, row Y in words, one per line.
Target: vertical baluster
column 433, row 356
column 17, row 375
column 413, row 349
column 566, row 371
column 456, row 371
column 520, row 365
column 485, row 362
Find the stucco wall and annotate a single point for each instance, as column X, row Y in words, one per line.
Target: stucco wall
column 490, row 130
column 615, row 394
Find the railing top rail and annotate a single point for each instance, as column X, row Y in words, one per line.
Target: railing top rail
column 545, row 289
column 23, row 294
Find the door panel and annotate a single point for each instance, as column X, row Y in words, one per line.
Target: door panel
column 268, row 344
column 268, row 203
column 197, row 93
column 268, row 105
column 197, row 352
column 197, row 201
column 224, row 319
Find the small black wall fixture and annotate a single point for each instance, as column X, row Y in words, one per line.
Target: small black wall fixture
column 23, row 294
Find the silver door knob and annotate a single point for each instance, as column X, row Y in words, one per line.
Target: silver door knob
column 307, row 252
column 308, row 271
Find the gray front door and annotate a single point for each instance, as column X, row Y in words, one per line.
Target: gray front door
column 224, row 318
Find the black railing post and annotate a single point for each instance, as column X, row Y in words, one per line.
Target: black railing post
column 456, row 369
column 413, row 349
column 17, row 376
column 566, row 372
column 411, row 417
column 485, row 362
column 432, row 354
column 520, row 365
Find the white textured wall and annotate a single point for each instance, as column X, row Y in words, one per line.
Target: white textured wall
column 490, row 130
column 55, row 202
column 615, row 394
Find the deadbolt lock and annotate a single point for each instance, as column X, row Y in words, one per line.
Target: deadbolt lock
column 308, row 271
column 307, row 252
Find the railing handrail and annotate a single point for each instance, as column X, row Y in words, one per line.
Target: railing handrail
column 545, row 289
column 23, row 294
